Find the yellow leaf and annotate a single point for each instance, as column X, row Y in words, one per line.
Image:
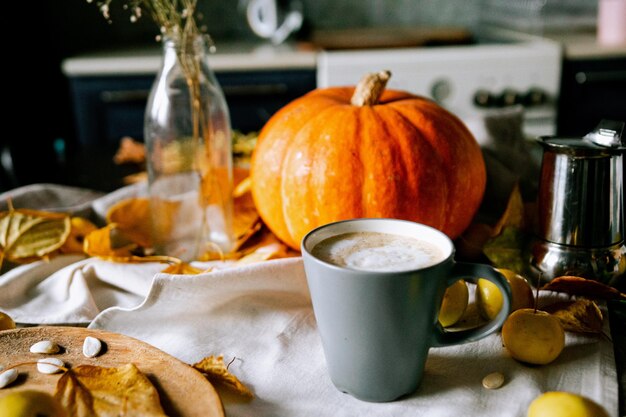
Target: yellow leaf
column 582, row 316
column 243, row 187
column 78, row 232
column 108, row 242
column 264, row 253
column 132, row 216
column 26, row 234
column 95, row 391
column 217, row 373
column 182, row 268
column 245, row 216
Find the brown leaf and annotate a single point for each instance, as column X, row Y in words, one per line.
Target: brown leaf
column 217, row 373
column 584, row 287
column 102, row 392
column 513, row 215
column 581, row 316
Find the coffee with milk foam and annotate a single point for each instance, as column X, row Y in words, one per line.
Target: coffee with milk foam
column 376, row 251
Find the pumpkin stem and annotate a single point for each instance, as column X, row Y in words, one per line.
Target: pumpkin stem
column 370, row 88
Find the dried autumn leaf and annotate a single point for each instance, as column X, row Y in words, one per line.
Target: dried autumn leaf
column 96, row 391
column 264, row 253
column 27, row 234
column 217, row 373
column 132, row 216
column 182, row 268
column 135, row 178
column 245, row 215
column 80, row 228
column 508, row 250
column 582, row 316
column 513, row 215
column 244, row 238
column 243, row 187
column 584, row 287
column 130, row 152
column 108, row 242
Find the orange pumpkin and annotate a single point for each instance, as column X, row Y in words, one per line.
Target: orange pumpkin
column 340, row 153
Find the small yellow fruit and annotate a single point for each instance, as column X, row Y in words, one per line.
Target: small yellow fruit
column 564, row 404
column 6, row 322
column 489, row 299
column 30, row 403
column 534, row 337
column 454, row 303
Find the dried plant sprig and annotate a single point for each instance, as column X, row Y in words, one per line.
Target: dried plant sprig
column 176, row 19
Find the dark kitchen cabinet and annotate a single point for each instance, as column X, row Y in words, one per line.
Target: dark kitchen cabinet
column 107, row 108
column 591, row 89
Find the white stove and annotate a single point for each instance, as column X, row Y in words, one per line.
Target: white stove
column 501, row 69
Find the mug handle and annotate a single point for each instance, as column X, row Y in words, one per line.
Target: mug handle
column 472, row 272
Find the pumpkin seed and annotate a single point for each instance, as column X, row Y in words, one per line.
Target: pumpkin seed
column 45, row 346
column 50, row 365
column 493, row 380
column 8, row 377
column 91, row 347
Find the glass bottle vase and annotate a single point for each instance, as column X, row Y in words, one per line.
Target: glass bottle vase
column 189, row 159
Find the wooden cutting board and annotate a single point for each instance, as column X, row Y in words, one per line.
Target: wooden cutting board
column 183, row 391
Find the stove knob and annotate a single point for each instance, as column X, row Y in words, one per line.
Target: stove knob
column 483, row 98
column 536, row 97
column 510, row 97
column 441, row 90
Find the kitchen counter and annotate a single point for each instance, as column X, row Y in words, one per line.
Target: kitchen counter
column 229, row 56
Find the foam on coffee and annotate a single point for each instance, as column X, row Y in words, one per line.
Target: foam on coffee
column 375, row 251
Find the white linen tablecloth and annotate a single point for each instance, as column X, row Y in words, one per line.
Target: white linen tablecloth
column 261, row 315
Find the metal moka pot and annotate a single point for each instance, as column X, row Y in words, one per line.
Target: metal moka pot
column 581, row 207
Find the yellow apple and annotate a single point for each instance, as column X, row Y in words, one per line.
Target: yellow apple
column 6, row 322
column 489, row 299
column 30, row 403
column 454, row 303
column 533, row 336
column 564, row 404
